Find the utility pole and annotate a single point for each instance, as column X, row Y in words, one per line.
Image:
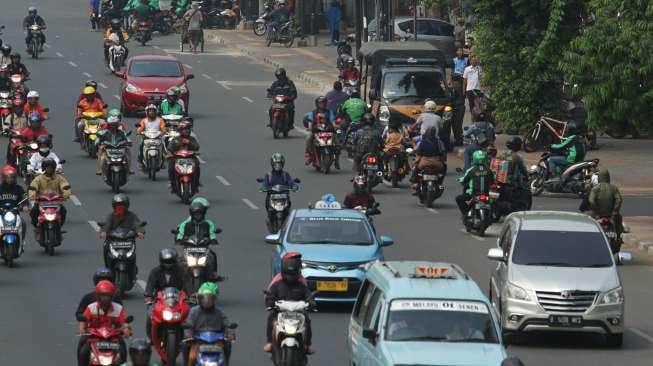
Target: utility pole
column 358, row 25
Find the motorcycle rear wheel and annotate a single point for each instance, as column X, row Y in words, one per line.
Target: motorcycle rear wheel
column 115, row 182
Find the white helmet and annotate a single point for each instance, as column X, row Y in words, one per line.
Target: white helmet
column 429, row 106
column 33, row 94
column 114, row 38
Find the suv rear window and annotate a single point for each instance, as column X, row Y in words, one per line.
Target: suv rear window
column 561, row 249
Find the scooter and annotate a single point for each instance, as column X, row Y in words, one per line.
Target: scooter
column 324, row 149
column 115, row 168
column 152, row 154
column 197, row 260
column 261, row 24
column 280, row 123
column 168, row 314
column 479, row 215
column 49, row 222
column 184, row 184
column 610, row 230
column 35, row 47
column 105, row 344
column 573, row 179
column 117, row 54
column 278, row 203
column 288, row 346
column 91, row 124
column 370, row 169
column 120, row 256
column 213, row 348
column 395, row 167
column 11, row 233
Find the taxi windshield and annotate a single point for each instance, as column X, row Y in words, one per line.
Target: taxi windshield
column 422, row 84
column 440, row 321
column 329, row 230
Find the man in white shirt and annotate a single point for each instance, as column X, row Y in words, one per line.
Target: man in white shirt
column 472, row 80
column 45, row 144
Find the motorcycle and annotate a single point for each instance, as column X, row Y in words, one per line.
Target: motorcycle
column 288, row 348
column 369, row 168
column 395, row 167
column 324, row 149
column 184, row 178
column 35, row 46
column 6, row 112
column 11, row 233
column 196, row 259
column 49, row 222
column 168, row 314
column 91, row 124
column 31, row 173
column 120, row 256
column 479, row 215
column 573, row 179
column 429, row 184
column 24, row 154
column 117, row 54
column 172, row 122
column 261, row 24
column 278, row 204
column 280, row 123
column 143, row 31
column 105, row 344
column 283, row 33
column 152, row 153
column 213, row 348
column 115, row 168
column 350, row 86
column 609, row 228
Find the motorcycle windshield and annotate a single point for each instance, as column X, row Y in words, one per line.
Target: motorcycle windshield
column 210, row 336
column 171, row 296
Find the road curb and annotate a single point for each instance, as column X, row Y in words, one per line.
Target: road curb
column 247, row 51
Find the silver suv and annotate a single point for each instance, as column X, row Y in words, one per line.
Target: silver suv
column 555, row 272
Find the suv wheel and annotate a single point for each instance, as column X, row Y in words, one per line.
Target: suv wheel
column 614, row 340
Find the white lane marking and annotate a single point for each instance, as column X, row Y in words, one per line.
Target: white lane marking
column 472, row 235
column 141, row 284
column 47, row 45
column 156, row 47
column 223, row 84
column 87, row 74
column 432, row 210
column 94, row 225
column 250, row 204
column 102, row 86
column 201, row 160
column 249, row 100
column 72, row 64
column 208, row 77
column 75, row 200
column 116, row 96
column 641, row 334
column 245, row 83
column 59, row 54
column 223, row 180
column 188, row 66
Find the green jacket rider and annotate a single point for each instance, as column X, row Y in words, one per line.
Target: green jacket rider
column 573, row 148
column 198, row 226
column 354, row 108
column 142, row 9
column 172, row 104
column 476, row 180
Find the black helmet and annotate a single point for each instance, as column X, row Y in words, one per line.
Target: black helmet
column 48, row 163
column 140, row 351
column 512, row 361
column 120, row 199
column 514, row 143
column 115, row 23
column 91, row 83
column 31, row 10
column 277, row 161
column 337, row 85
column 6, row 49
column 197, row 211
column 168, row 258
column 368, row 119
column 280, row 74
column 572, row 129
column 291, row 268
column 102, row 273
column 320, row 100
column 359, row 183
column 44, row 140
column 395, row 124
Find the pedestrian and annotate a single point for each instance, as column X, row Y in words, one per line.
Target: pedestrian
column 460, row 62
column 334, row 16
column 336, row 97
column 195, row 20
column 94, row 10
column 472, row 81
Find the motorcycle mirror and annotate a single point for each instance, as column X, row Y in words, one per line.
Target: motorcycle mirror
column 46, row 110
column 297, row 180
column 62, row 161
column 190, row 76
column 260, row 180
column 129, row 133
column 459, row 170
column 217, row 231
column 105, row 106
column 129, row 319
column 143, row 223
column 233, row 326
column 101, row 223
column 120, row 74
column 174, row 231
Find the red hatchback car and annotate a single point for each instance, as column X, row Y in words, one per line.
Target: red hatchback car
column 148, row 77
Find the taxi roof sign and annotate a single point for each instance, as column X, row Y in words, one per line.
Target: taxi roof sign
column 328, row 202
column 433, row 272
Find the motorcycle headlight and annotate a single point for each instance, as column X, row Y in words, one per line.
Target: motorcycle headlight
column 191, row 261
column 114, row 253
column 131, row 88
column 130, row 252
column 105, row 359
column 50, row 216
column 290, row 326
column 9, row 219
column 612, row 297
column 533, row 168
column 201, row 261
column 183, row 88
column 167, row 315
column 384, row 113
column 517, row 293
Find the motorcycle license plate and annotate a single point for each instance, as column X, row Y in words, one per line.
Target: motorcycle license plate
column 429, row 177
column 372, row 166
column 122, row 245
column 611, row 234
column 199, row 250
column 333, row 286
column 14, row 231
column 481, row 206
column 565, row 321
column 494, row 195
column 107, row 346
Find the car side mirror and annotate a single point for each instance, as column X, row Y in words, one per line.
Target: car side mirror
column 386, row 241
column 121, row 74
column 496, row 254
column 624, row 257
column 370, row 335
column 272, row 239
column 189, row 76
column 260, row 180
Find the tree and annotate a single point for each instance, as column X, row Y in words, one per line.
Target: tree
column 519, row 43
column 611, row 63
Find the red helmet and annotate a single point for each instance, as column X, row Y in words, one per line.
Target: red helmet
column 105, row 287
column 8, row 169
column 292, row 255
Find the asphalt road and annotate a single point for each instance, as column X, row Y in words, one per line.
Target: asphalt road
column 39, row 295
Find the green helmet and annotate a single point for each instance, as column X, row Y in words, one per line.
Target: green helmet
column 479, row 157
column 209, row 288
column 114, row 112
column 200, row 201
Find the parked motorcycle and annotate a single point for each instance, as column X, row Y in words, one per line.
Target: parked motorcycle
column 143, row 31
column 169, row 312
column 395, row 167
column 283, row 34
column 370, row 168
column 115, row 168
column 280, row 123
column 91, row 124
column 324, row 149
column 197, row 260
column 213, row 348
column 288, row 346
column 11, row 233
column 117, row 53
column 49, row 222
column 35, row 47
column 184, row 183
column 479, row 216
column 152, row 153
column 278, row 204
column 104, row 343
column 573, row 179
column 261, row 25
column 120, row 256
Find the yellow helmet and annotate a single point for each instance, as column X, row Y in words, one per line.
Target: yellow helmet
column 89, row 90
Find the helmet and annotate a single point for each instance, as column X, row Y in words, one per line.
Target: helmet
column 105, row 287
column 48, row 163
column 395, row 124
column 151, row 106
column 350, row 61
column 368, row 119
column 291, row 267
column 280, row 74
column 359, row 183
column 514, row 143
column 115, row 23
column 168, row 258
column 171, row 92
column 140, row 351
column 113, row 121
column 200, row 201
column 320, row 100
column 198, row 208
column 92, row 83
column 429, row 106
column 33, row 94
column 281, row 2
column 184, row 126
column 479, row 157
column 45, row 143
column 102, row 273
column 31, row 10
column 88, row 90
column 120, row 199
column 114, row 38
column 6, row 49
column 114, row 112
column 572, row 129
column 277, row 161
column 9, row 171
column 209, row 288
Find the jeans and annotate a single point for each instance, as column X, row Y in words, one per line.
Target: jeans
column 335, row 32
column 554, row 162
column 272, row 29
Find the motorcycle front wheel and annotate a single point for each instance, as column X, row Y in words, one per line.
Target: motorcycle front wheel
column 536, row 184
column 260, row 29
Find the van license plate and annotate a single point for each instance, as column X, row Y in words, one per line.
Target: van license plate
column 332, row 286
column 565, row 321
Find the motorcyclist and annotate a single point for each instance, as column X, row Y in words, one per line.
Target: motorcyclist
column 102, row 313
column 140, row 9
column 319, row 116
column 169, row 273
column 172, row 104
column 277, row 17
column 359, row 196
column 572, row 149
column 184, row 141
column 475, row 181
column 290, row 288
column 197, row 225
column 27, row 134
column 102, row 273
column 90, row 103
column 430, row 154
column 605, row 200
column 5, row 54
column 5, row 79
column 516, row 191
column 120, row 217
column 283, row 86
column 33, row 105
column 123, row 37
column 48, row 183
column 428, row 118
column 12, row 193
column 45, row 145
column 94, row 85
column 205, row 317
column 479, row 141
column 151, row 122
column 367, row 140
column 353, row 110
column 113, row 135
column 17, row 67
column 140, row 353
column 33, row 18
column 350, row 72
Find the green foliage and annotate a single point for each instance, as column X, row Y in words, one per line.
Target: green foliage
column 612, row 64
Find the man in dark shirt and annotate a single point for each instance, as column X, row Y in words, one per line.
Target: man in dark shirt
column 336, row 97
column 12, row 194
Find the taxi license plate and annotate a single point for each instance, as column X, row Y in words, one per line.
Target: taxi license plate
column 332, row 286
column 565, row 321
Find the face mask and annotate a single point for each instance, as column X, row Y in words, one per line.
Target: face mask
column 119, row 211
column 44, row 150
column 197, row 217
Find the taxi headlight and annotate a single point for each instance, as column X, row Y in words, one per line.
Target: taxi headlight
column 612, row 297
column 384, row 113
column 517, row 293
